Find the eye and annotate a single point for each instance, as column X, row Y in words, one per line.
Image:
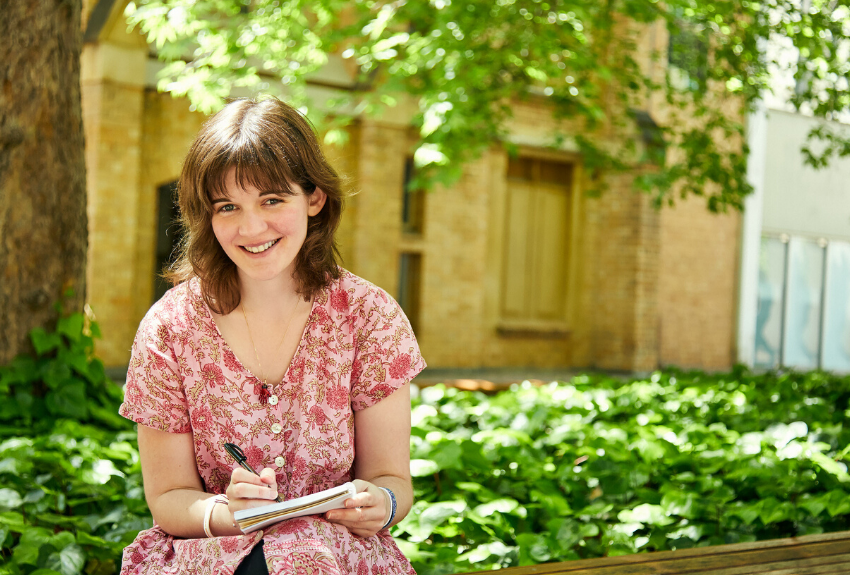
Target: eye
column 275, row 201
column 226, row 208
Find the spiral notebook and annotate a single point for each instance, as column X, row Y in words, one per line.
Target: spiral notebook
column 250, row 520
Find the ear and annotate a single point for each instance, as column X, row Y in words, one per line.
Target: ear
column 316, row 202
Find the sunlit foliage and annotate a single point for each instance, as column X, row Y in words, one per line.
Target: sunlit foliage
column 465, row 63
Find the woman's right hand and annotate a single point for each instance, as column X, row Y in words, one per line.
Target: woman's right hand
column 247, row 490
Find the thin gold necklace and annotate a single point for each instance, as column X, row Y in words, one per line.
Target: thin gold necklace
column 265, row 394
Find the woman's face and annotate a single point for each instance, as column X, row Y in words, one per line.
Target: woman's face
column 262, row 231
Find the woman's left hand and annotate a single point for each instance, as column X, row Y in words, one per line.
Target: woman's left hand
column 365, row 513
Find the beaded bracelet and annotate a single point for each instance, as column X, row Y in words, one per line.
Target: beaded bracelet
column 393, row 503
column 211, row 503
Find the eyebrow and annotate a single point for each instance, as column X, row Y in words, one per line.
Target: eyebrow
column 264, row 193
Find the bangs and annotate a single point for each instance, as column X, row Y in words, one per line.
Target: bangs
column 266, row 178
column 265, row 165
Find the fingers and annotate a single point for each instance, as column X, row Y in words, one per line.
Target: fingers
column 245, row 485
column 267, row 476
column 240, row 475
column 365, row 513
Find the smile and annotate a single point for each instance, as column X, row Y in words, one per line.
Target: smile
column 262, row 248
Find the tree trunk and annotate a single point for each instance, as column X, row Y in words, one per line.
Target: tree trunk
column 43, row 226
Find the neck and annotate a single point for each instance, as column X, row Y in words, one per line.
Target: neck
column 269, row 298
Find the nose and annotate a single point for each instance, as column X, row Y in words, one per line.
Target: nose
column 252, row 223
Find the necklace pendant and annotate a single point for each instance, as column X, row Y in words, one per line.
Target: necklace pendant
column 265, row 394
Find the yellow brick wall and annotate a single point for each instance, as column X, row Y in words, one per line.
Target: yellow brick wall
column 645, row 287
column 112, row 113
column 618, row 297
column 697, row 285
column 168, row 130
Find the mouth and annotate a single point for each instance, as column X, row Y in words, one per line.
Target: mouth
column 260, row 249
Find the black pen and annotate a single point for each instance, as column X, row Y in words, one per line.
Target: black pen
column 238, row 456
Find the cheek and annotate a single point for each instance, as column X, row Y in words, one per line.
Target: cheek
column 221, row 232
column 292, row 222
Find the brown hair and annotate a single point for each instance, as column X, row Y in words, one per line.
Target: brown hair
column 271, row 146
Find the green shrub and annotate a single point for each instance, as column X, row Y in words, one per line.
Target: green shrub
column 589, row 468
column 70, row 479
column 598, row 467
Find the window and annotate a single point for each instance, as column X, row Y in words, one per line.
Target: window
column 168, row 235
column 410, row 280
column 803, row 317
column 412, row 203
column 534, row 268
column 687, row 54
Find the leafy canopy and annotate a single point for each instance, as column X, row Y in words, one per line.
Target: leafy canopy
column 464, row 64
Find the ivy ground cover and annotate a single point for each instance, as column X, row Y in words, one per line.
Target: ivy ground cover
column 591, row 467
column 599, row 466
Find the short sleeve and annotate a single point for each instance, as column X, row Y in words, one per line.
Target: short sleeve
column 154, row 395
column 386, row 356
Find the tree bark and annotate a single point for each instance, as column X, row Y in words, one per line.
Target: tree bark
column 43, row 225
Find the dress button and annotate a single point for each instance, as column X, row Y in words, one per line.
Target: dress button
column 277, row 428
column 273, row 400
column 279, row 461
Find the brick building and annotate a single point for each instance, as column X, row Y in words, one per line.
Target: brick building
column 514, row 266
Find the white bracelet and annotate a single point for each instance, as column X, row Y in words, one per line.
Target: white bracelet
column 391, row 496
column 211, row 503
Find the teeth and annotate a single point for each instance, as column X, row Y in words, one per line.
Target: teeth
column 261, row 248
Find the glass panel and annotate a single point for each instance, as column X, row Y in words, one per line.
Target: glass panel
column 802, row 319
column 769, row 314
column 836, row 320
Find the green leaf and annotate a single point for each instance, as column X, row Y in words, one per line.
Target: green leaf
column 43, row 341
column 774, row 511
column 839, row 470
column 650, row 450
column 646, row 514
column 13, row 519
column 567, row 533
column 681, row 503
column 422, row 467
column 71, row 326
column 815, row 505
column 62, row 540
column 9, row 498
column 69, row 561
column 31, row 542
column 504, row 505
column 448, row 456
column 439, row 512
column 485, row 551
column 837, row 502
column 533, row 549
column 69, row 400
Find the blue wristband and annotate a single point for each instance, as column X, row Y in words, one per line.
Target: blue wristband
column 392, row 512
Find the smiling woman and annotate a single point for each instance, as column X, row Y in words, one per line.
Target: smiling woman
column 267, row 343
column 264, row 147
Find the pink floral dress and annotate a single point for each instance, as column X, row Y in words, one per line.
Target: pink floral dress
column 357, row 348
